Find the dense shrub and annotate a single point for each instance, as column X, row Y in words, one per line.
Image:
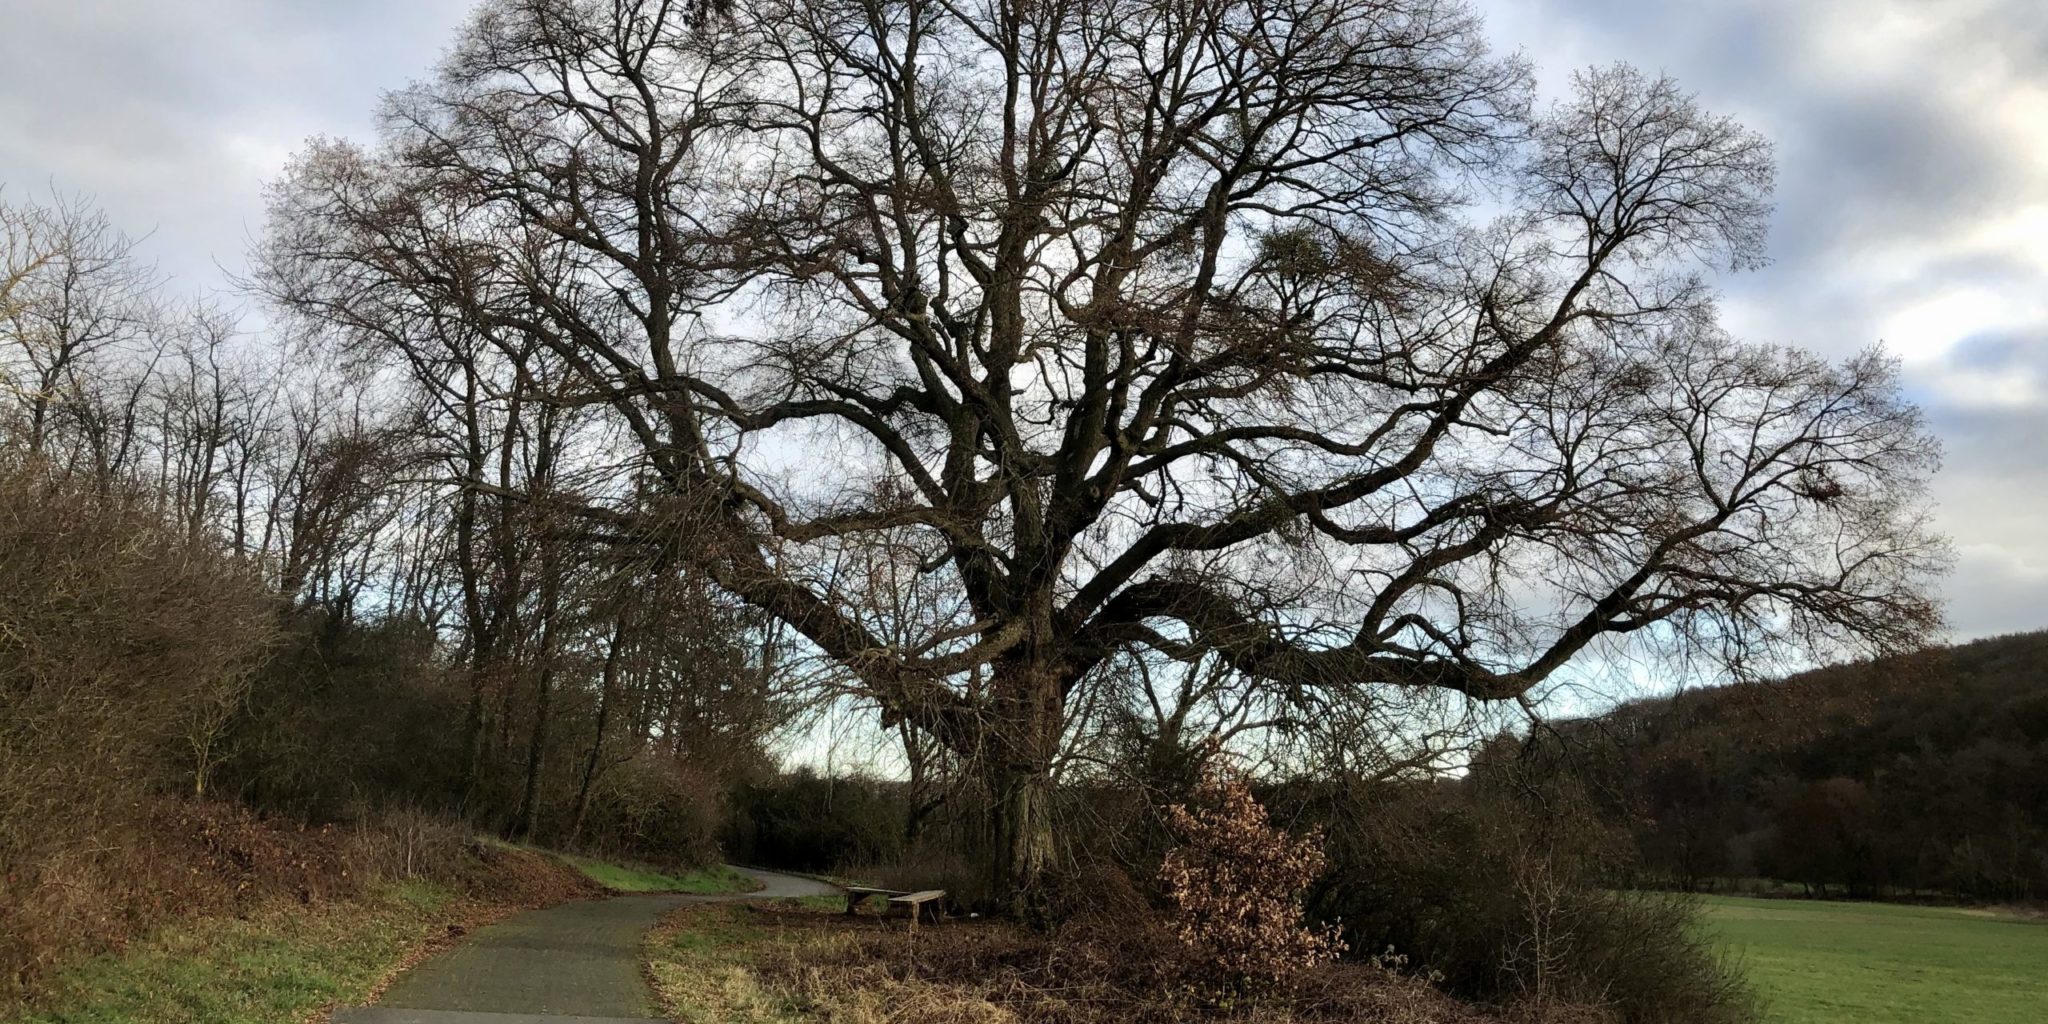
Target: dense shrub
column 804, row 821
column 1235, row 884
column 346, row 716
column 655, row 809
column 1514, row 900
column 124, row 646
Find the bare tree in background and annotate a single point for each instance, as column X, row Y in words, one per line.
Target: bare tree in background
column 80, row 311
column 24, row 250
column 1155, row 325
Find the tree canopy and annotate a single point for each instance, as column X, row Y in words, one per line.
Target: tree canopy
column 983, row 342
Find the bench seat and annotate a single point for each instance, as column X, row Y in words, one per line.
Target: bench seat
column 858, row 894
column 916, row 902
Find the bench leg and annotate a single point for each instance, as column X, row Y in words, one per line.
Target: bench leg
column 918, row 910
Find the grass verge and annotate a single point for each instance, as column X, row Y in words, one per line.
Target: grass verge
column 283, row 959
column 702, row 962
column 1819, row 962
column 282, row 963
column 716, row 879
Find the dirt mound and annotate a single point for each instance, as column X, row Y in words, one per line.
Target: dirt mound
column 505, row 874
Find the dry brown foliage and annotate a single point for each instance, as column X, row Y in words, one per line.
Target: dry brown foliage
column 516, row 877
column 120, row 640
column 1236, row 884
column 781, row 964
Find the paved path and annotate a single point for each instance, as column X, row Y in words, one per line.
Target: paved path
column 577, row 963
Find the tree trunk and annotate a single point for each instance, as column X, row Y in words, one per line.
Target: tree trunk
column 536, row 751
column 604, row 712
column 468, row 560
column 1023, row 842
column 1028, row 722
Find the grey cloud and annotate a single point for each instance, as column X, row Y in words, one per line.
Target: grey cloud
column 2008, row 445
column 172, row 113
column 1869, row 158
column 2001, row 352
column 1992, row 496
column 1991, row 596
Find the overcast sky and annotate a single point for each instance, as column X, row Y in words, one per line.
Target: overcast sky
column 1912, row 203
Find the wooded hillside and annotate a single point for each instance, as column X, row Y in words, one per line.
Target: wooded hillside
column 1918, row 775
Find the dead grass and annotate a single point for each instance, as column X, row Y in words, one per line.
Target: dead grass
column 788, row 963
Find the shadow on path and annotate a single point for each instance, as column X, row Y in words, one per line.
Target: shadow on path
column 577, row 963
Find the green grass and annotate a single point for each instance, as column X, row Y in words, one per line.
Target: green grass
column 1871, row 963
column 631, row 878
column 273, row 968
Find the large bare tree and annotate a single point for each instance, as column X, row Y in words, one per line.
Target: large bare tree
column 1279, row 332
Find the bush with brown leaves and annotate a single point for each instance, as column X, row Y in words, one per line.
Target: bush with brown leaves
column 1236, row 884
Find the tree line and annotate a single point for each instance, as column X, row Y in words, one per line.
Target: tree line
column 237, row 565
column 1917, row 776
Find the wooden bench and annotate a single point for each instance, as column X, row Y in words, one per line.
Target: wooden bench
column 916, row 902
column 858, row 894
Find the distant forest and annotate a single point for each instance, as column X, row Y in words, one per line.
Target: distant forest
column 1923, row 775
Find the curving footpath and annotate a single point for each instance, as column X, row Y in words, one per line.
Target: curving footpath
column 577, row 963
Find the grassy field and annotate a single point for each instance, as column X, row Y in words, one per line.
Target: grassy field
column 631, row 878
column 1869, row 963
